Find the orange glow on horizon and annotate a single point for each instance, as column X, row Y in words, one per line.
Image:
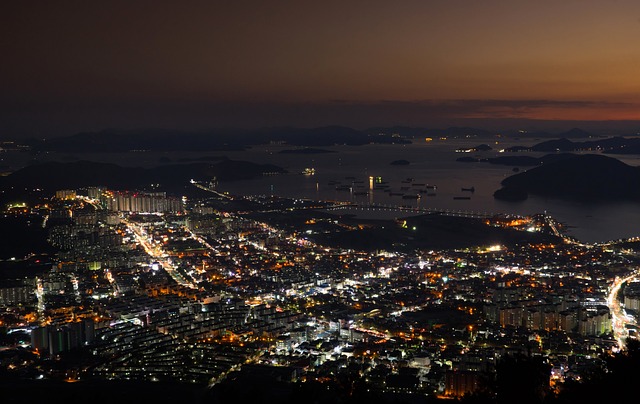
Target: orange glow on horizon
column 629, row 112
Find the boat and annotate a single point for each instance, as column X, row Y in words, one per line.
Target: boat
column 411, row 196
column 309, row 171
column 472, row 189
column 461, row 197
column 396, row 193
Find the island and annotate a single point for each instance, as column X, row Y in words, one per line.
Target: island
column 576, row 177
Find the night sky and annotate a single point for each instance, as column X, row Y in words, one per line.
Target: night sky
column 70, row 66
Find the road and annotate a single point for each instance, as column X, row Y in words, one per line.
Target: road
column 156, row 253
column 619, row 318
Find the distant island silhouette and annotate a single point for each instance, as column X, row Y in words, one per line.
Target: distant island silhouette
column 588, row 177
column 233, row 139
column 112, row 140
column 612, row 145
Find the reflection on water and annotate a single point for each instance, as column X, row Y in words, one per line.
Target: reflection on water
column 365, row 174
column 432, row 164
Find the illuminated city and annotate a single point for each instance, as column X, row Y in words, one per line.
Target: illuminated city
column 414, row 202
column 194, row 291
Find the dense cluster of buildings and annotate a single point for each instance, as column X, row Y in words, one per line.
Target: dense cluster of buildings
column 156, row 289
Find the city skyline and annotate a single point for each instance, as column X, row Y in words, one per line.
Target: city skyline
column 82, row 66
column 419, row 201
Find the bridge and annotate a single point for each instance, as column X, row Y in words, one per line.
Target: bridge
column 409, row 209
column 350, row 205
column 210, row 188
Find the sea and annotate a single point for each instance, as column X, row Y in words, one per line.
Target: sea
column 366, row 175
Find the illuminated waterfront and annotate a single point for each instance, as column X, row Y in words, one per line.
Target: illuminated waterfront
column 432, row 163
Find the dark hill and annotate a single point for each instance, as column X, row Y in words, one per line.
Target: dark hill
column 611, row 144
column 537, row 134
column 53, row 176
column 563, row 144
column 614, row 145
column 575, row 133
column 483, row 147
column 322, row 136
column 114, row 140
column 584, row 177
column 418, row 132
column 431, row 231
